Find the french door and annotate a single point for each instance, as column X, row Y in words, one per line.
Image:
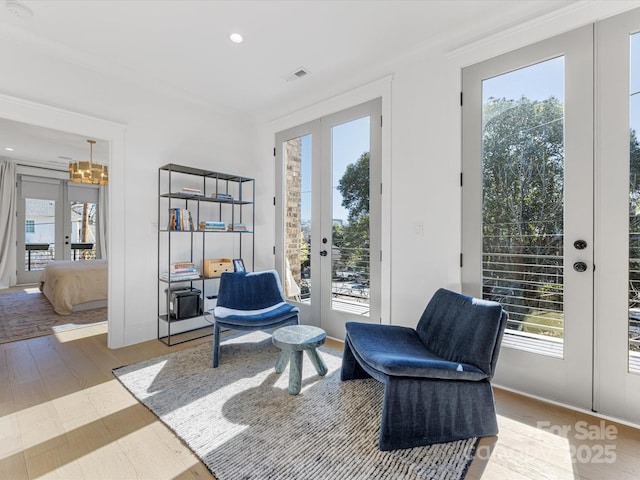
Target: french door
column 56, row 221
column 328, row 217
column 528, row 210
column 551, row 212
column 617, row 305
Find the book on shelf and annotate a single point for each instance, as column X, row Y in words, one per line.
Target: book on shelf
column 182, row 264
column 180, row 220
column 237, row 227
column 196, row 191
column 211, row 225
column 181, row 271
column 176, row 277
column 178, row 269
column 222, row 196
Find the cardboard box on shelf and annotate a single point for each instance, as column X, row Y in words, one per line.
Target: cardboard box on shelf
column 213, row 267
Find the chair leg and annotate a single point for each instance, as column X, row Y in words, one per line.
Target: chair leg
column 282, row 361
column 216, row 345
column 351, row 369
column 422, row 412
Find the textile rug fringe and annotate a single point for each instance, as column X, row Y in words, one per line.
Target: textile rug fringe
column 242, row 423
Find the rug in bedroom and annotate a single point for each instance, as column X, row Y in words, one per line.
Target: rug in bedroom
column 242, row 423
column 26, row 313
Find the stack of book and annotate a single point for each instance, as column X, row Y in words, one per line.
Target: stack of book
column 222, row 196
column 211, row 226
column 237, row 227
column 181, row 271
column 180, row 220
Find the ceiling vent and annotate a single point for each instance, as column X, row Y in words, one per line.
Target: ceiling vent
column 299, row 73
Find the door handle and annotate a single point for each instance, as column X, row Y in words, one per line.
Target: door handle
column 323, row 253
column 580, row 267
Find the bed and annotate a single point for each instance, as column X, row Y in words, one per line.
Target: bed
column 73, row 286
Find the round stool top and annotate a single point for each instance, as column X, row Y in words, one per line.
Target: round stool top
column 298, row 337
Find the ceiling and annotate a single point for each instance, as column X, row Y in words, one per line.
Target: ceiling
column 184, row 46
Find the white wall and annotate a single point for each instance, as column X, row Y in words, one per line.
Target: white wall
column 159, row 128
column 421, row 155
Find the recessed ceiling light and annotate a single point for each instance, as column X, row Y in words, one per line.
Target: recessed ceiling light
column 18, row 9
column 8, row 149
column 236, row 38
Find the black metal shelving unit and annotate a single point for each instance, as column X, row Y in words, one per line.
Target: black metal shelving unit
column 235, row 205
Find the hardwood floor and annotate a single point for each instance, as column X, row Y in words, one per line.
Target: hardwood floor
column 63, row 415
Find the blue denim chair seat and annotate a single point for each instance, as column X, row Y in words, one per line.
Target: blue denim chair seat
column 406, row 356
column 436, row 376
column 250, row 301
column 263, row 317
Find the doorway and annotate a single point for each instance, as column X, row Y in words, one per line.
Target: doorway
column 328, row 226
column 57, row 220
column 531, row 129
column 40, row 115
column 550, row 165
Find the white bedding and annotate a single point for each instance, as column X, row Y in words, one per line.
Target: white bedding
column 67, row 284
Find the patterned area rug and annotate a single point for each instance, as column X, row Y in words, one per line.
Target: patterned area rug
column 26, row 313
column 242, row 423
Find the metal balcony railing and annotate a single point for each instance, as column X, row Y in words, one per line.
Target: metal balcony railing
column 38, row 255
column 530, row 288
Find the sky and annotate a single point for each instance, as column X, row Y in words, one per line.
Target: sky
column 545, row 79
column 536, row 82
column 349, row 141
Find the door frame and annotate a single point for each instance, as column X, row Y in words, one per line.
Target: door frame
column 310, row 313
column 616, row 391
column 60, row 217
column 334, row 322
column 570, row 379
column 42, row 115
column 320, row 312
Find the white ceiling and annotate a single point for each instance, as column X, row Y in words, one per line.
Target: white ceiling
column 184, row 46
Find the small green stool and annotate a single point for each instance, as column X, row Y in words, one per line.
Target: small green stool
column 293, row 340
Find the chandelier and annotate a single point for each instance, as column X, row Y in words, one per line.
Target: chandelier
column 89, row 172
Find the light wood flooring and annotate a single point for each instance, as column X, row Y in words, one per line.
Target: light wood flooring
column 63, row 415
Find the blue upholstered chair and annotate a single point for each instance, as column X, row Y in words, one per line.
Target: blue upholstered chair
column 437, row 376
column 250, row 301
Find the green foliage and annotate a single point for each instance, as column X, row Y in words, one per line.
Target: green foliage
column 523, row 209
column 634, row 219
column 354, row 187
column 545, row 323
column 523, row 203
column 523, row 172
column 634, row 176
column 353, row 237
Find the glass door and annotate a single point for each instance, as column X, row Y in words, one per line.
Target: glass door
column 57, row 221
column 329, row 224
column 80, row 219
column 40, row 235
column 617, row 307
column 527, row 210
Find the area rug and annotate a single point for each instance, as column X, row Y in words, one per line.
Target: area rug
column 240, row 420
column 26, row 313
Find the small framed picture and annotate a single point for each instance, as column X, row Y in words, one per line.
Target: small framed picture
column 238, row 265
